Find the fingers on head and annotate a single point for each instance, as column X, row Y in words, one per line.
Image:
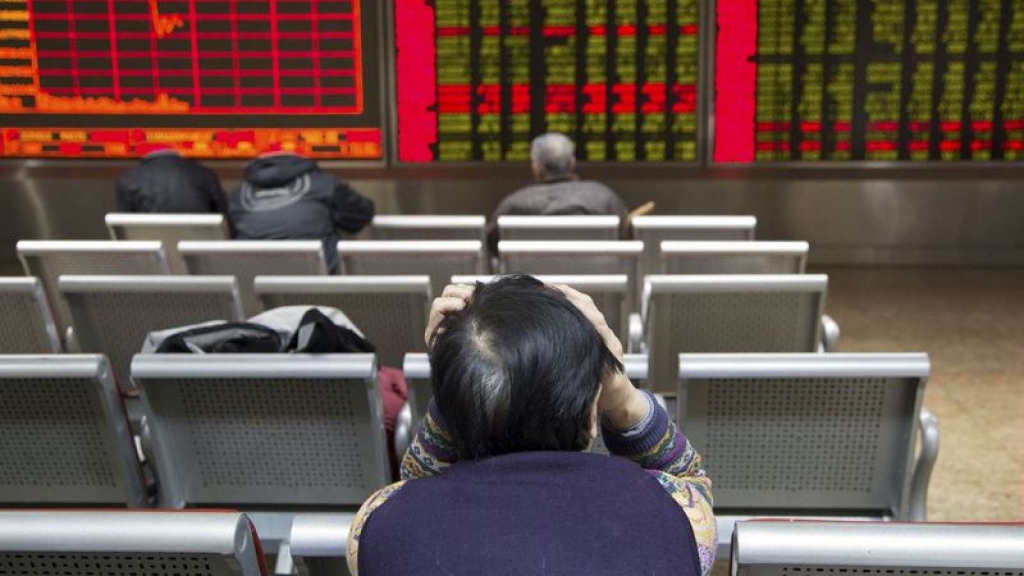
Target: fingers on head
column 448, row 304
column 457, row 291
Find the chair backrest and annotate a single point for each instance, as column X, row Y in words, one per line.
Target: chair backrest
column 50, row 259
column 803, row 434
column 778, row 548
column 113, row 314
column 427, row 227
column 64, row 437
column 608, row 292
column 318, row 543
column 729, row 313
column 246, row 259
column 728, row 257
column 417, row 376
column 554, row 258
column 439, row 259
column 169, row 229
column 27, row 326
column 143, row 543
column 653, row 230
column 390, row 311
column 558, row 227
column 262, row 430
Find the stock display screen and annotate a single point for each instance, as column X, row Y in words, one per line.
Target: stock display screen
column 477, row 80
column 869, row 80
column 209, row 78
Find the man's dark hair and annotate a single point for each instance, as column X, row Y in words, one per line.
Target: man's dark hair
column 517, row 370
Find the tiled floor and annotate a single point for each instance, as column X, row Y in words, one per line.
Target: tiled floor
column 971, row 322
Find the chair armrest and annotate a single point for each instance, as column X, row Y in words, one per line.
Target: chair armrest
column 829, row 333
column 71, row 341
column 928, row 454
column 285, row 565
column 144, row 446
column 403, row 432
column 636, row 334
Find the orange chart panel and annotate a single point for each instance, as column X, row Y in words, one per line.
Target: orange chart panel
column 214, row 78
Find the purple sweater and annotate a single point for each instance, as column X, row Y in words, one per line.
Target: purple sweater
column 542, row 512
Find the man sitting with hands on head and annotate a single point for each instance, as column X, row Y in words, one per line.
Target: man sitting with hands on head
column 497, row 481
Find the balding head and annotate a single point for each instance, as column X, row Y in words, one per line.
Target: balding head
column 552, row 155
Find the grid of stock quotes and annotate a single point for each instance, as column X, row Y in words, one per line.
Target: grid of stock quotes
column 210, row 78
column 869, row 80
column 476, row 80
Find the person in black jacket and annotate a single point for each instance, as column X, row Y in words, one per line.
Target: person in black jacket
column 164, row 182
column 286, row 196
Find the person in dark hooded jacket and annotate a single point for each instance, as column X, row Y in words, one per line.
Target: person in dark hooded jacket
column 286, row 196
column 164, row 182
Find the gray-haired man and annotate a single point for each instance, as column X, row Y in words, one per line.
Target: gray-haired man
column 558, row 191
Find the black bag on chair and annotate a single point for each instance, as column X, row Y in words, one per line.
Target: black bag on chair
column 318, row 334
column 226, row 338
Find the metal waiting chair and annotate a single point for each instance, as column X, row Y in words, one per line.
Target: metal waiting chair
column 608, row 292
column 439, row 259
column 169, row 229
column 64, row 437
column 717, row 257
column 48, row 260
column 729, row 313
column 391, row 311
column 810, row 435
column 113, row 314
column 268, row 433
column 428, row 227
column 246, row 259
column 417, row 377
column 780, row 548
column 558, row 227
column 318, row 543
column 653, row 230
column 142, row 543
column 555, row 258
column 28, row 326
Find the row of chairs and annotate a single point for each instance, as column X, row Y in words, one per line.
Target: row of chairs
column 439, row 259
column 714, row 313
column 792, row 435
column 226, row 543
column 171, row 228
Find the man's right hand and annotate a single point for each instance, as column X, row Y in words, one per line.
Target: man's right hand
column 620, row 401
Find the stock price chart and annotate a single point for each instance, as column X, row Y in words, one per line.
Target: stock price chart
column 869, row 80
column 476, row 80
column 210, row 78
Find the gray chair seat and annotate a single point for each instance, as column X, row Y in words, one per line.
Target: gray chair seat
column 44, row 543
column 810, row 435
column 727, row 313
column 559, row 227
column 733, row 257
column 427, row 227
column 272, row 434
column 653, row 230
column 48, row 260
column 779, row 548
column 64, row 438
column 27, row 326
column 391, row 311
column 113, row 314
column 439, row 259
column 169, row 229
column 246, row 259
